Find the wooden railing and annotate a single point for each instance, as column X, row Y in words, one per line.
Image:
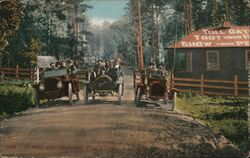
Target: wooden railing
column 211, row 87
column 16, row 73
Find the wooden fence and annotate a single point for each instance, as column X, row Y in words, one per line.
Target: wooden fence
column 211, row 87
column 16, row 73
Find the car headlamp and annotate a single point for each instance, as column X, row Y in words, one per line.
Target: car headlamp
column 59, row 85
column 146, row 81
column 41, row 87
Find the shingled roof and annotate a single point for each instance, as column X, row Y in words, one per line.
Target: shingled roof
column 227, row 35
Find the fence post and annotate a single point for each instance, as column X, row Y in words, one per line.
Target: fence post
column 174, row 101
column 236, row 85
column 249, row 80
column 17, row 67
column 134, row 77
column 202, row 84
column 171, row 82
column 37, row 74
column 31, row 74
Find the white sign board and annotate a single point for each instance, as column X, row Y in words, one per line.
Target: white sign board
column 45, row 61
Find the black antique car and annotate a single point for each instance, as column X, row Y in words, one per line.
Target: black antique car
column 152, row 84
column 56, row 83
column 104, row 82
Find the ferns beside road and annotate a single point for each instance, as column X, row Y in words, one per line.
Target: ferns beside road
column 15, row 99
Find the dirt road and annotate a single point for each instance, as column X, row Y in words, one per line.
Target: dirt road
column 104, row 129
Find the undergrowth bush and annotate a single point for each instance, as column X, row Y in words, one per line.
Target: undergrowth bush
column 226, row 115
column 15, row 99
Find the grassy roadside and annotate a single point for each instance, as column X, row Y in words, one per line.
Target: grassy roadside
column 224, row 115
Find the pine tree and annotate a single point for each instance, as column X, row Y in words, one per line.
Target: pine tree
column 9, row 21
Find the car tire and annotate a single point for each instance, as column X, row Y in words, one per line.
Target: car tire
column 78, row 96
column 70, row 94
column 36, row 97
column 138, row 95
column 120, row 94
column 86, row 95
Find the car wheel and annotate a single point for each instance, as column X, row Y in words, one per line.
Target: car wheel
column 138, row 96
column 86, row 95
column 36, row 97
column 70, row 94
column 120, row 94
column 122, row 88
column 166, row 98
column 78, row 96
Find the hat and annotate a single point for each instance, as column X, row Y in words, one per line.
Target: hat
column 69, row 61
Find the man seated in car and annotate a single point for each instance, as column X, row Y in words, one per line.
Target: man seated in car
column 117, row 63
column 162, row 70
column 108, row 65
column 151, row 67
column 52, row 66
column 99, row 67
column 58, row 65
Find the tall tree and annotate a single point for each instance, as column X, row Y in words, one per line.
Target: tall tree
column 9, row 21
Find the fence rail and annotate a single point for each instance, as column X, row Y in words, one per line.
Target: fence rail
column 211, row 87
column 16, row 73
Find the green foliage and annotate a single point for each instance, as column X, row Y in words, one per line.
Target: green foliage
column 225, row 115
column 9, row 21
column 35, row 48
column 44, row 28
column 15, row 99
column 234, row 130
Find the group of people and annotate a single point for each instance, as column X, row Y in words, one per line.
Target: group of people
column 152, row 67
column 103, row 66
column 69, row 65
column 100, row 67
column 159, row 69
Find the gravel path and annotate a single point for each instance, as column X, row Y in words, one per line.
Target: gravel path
column 105, row 129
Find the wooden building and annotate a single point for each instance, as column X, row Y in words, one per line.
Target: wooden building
column 220, row 53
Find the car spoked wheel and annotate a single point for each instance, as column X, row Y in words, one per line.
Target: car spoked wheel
column 120, row 94
column 122, row 88
column 138, row 96
column 36, row 97
column 166, row 99
column 78, row 96
column 93, row 96
column 86, row 95
column 70, row 95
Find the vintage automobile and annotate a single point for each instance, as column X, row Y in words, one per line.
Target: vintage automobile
column 152, row 84
column 56, row 83
column 108, row 82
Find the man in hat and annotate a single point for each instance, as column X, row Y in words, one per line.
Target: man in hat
column 117, row 63
column 58, row 65
column 161, row 67
column 72, row 70
column 99, row 67
column 151, row 67
column 107, row 64
column 52, row 66
column 71, row 67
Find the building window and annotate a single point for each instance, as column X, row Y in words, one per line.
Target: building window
column 212, row 60
column 247, row 59
column 183, row 61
